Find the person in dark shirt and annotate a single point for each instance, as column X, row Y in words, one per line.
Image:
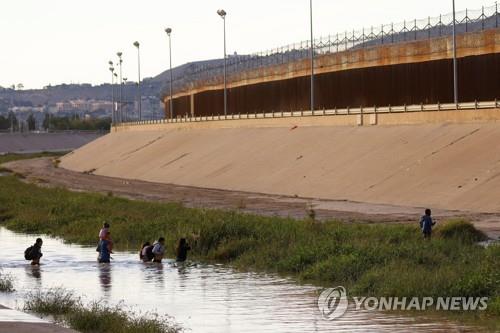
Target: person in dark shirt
column 182, row 250
column 426, row 224
column 36, row 252
column 146, row 252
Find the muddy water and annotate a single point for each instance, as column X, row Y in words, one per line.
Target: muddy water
column 201, row 297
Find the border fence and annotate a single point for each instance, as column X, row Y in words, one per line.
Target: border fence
column 211, row 73
column 333, row 112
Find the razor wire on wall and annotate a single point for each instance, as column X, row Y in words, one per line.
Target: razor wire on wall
column 406, row 31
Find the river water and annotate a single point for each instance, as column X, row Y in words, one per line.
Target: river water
column 201, row 297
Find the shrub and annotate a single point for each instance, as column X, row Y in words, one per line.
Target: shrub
column 460, row 230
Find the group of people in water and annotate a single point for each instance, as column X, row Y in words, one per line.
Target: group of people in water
column 155, row 252
column 148, row 253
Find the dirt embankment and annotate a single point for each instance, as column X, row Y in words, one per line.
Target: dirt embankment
column 43, row 172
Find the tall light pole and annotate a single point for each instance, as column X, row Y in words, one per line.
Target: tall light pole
column 137, row 45
column 222, row 13
column 312, row 55
column 120, row 61
column 169, row 33
column 112, row 70
column 455, row 74
column 127, row 115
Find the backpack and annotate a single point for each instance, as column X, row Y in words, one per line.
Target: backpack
column 28, row 253
column 149, row 252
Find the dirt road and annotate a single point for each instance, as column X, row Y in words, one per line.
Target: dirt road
column 43, row 172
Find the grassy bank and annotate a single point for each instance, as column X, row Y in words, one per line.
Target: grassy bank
column 381, row 260
column 6, row 283
column 68, row 309
column 14, row 157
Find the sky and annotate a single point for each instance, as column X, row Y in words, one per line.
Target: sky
column 71, row 41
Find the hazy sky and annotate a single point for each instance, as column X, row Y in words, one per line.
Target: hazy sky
column 71, row 41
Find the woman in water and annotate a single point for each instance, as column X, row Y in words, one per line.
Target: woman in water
column 146, row 253
column 105, row 249
column 182, row 249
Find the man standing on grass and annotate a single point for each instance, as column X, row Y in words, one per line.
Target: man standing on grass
column 426, row 224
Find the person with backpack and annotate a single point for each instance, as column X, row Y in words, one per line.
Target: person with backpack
column 146, row 252
column 159, row 250
column 182, row 250
column 105, row 248
column 34, row 252
column 426, row 224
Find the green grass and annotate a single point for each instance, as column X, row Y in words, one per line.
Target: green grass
column 368, row 259
column 6, row 283
column 96, row 317
column 14, row 157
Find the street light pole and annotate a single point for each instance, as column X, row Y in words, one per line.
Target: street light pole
column 455, row 74
column 222, row 13
column 169, row 33
column 137, row 45
column 112, row 70
column 126, row 111
column 120, row 61
column 312, row 55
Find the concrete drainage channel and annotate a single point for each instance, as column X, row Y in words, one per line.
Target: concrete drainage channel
column 14, row 321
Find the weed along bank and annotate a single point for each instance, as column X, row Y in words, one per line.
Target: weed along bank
column 349, row 182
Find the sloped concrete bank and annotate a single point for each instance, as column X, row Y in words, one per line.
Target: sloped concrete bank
column 439, row 165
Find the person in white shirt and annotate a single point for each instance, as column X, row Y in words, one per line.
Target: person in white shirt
column 159, row 249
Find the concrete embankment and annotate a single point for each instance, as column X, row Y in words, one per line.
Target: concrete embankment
column 39, row 142
column 441, row 165
column 12, row 321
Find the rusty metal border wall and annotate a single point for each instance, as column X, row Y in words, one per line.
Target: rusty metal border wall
column 413, row 83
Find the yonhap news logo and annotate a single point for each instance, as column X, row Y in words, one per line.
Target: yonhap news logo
column 333, row 303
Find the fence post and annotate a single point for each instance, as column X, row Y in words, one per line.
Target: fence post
column 496, row 15
column 353, row 38
column 466, row 20
column 346, row 40
column 337, row 42
column 429, row 26
column 392, row 32
column 440, row 24
column 382, row 28
column 404, row 29
column 415, row 27
column 482, row 18
column 363, row 39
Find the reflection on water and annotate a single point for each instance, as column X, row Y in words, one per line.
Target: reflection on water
column 202, row 298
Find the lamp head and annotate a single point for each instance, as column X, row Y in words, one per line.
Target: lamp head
column 136, row 44
column 110, row 63
column 119, row 54
column 168, row 31
column 222, row 13
column 111, row 69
